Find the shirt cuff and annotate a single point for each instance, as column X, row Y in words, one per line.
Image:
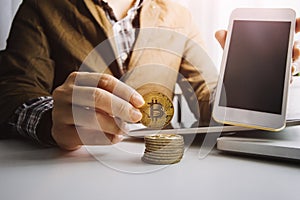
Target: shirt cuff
column 28, row 116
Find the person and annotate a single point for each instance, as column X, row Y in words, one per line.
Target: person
column 49, row 41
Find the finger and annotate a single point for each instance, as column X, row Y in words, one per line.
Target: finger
column 297, row 25
column 296, row 52
column 102, row 100
column 110, row 84
column 98, row 121
column 81, row 116
column 66, row 137
column 221, row 37
column 96, row 137
column 293, row 69
column 71, row 137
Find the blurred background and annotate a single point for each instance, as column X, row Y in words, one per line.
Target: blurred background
column 212, row 15
column 209, row 15
column 8, row 9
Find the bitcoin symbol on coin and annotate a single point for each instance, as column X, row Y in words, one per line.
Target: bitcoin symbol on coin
column 158, row 110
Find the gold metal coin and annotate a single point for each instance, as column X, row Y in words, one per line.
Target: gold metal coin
column 163, row 149
column 160, row 162
column 163, row 157
column 164, row 137
column 157, row 111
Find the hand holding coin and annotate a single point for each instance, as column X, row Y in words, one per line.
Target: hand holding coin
column 157, row 111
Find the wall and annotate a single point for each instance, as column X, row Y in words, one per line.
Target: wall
column 7, row 11
column 212, row 15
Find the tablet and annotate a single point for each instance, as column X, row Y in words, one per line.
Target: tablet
column 255, row 72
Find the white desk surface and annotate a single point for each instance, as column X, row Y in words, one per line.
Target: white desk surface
column 28, row 172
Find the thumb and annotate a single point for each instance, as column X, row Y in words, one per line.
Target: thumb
column 221, row 37
column 298, row 25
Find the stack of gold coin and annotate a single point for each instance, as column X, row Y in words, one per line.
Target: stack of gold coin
column 163, row 149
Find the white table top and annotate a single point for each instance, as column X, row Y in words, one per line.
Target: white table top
column 28, row 173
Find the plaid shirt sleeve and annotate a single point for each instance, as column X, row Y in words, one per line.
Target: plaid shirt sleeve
column 27, row 117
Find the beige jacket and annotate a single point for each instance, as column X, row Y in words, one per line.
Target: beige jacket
column 168, row 43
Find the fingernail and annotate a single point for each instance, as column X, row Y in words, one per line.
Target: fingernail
column 121, row 137
column 138, row 100
column 136, row 115
column 126, row 128
column 122, row 125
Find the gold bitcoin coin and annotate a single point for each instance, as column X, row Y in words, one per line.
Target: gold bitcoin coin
column 164, row 137
column 157, row 111
column 160, row 162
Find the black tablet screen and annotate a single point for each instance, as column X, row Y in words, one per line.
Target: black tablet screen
column 256, row 65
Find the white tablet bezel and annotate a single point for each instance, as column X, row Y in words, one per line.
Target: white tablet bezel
column 249, row 118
